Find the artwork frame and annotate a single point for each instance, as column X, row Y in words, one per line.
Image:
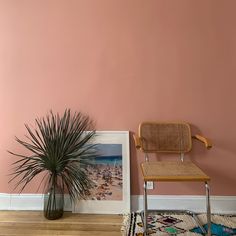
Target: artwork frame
column 110, row 142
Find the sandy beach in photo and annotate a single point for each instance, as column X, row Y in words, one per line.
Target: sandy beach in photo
column 108, row 181
column 106, row 172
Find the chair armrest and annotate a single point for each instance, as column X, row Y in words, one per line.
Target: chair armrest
column 204, row 140
column 137, row 141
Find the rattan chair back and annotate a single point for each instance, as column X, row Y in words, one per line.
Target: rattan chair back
column 174, row 137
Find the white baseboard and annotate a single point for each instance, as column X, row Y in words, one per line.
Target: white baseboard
column 32, row 202
column 219, row 204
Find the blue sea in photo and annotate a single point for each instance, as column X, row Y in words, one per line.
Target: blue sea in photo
column 108, row 160
column 109, row 154
column 109, row 149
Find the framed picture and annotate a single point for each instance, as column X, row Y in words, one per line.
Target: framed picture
column 111, row 173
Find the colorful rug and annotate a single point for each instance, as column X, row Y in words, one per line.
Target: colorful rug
column 178, row 224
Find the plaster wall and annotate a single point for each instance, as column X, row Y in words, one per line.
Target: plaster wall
column 123, row 62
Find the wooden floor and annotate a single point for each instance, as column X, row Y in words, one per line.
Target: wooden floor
column 33, row 223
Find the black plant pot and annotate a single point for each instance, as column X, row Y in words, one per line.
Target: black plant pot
column 54, row 202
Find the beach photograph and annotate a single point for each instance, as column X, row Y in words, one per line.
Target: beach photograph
column 106, row 173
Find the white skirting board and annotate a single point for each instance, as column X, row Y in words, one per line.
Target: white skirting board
column 29, row 202
column 219, row 204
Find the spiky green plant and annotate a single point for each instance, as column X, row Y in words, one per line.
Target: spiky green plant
column 60, row 147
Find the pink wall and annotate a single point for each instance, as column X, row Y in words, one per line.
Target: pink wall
column 123, row 62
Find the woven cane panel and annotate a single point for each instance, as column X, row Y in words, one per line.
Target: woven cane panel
column 165, row 137
column 172, row 171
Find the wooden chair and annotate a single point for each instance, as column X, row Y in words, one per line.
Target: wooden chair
column 171, row 137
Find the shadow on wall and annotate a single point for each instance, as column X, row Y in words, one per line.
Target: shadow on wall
column 135, row 174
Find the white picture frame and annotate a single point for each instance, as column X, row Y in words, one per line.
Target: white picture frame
column 112, row 143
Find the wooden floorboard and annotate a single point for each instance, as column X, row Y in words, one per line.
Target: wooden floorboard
column 33, row 223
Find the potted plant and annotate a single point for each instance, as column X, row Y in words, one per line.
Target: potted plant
column 60, row 147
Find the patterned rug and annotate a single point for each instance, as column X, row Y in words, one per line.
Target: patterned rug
column 176, row 224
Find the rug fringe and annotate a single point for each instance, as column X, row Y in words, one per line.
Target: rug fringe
column 125, row 224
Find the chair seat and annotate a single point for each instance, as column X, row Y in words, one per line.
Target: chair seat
column 172, row 171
